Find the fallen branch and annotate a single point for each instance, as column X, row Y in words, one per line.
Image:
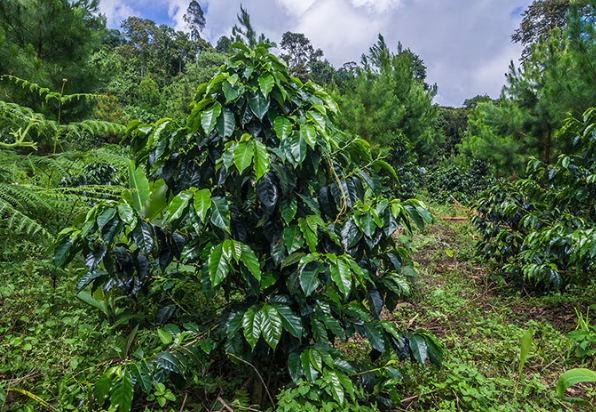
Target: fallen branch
column 413, row 398
column 455, row 218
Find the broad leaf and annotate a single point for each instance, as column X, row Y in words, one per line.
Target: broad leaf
column 143, row 237
column 336, row 387
column 282, row 127
column 261, row 159
column 178, row 205
column 251, row 262
column 218, row 266
column 122, row 392
column 266, row 83
column 573, row 376
column 295, row 366
column 375, row 337
column 209, row 117
column 220, row 213
column 309, row 134
column 293, row 238
column 309, row 277
column 310, row 373
column 252, row 322
column 271, row 325
column 139, row 186
column 418, row 348
column 291, row 322
column 126, row 213
column 226, row 124
column 102, row 388
column 202, row 203
column 341, row 274
column 298, row 147
column 268, row 192
column 258, row 104
column 167, row 361
column 288, row 209
column 243, row 154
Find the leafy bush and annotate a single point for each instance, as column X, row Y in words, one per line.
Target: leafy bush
column 541, row 229
column 256, row 197
column 463, row 184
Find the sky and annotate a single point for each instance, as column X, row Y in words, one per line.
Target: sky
column 465, row 44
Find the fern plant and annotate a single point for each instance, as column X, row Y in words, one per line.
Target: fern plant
column 28, row 126
column 39, row 193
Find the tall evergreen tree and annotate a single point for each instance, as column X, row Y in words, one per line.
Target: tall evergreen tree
column 195, row 19
column 555, row 80
column 46, row 41
column 385, row 101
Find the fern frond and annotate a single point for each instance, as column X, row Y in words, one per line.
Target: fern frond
column 33, row 87
column 24, row 197
column 19, row 223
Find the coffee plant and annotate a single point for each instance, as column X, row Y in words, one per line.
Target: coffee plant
column 463, row 184
column 261, row 201
column 541, row 229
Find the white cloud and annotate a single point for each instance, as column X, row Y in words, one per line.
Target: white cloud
column 296, row 8
column 464, row 43
column 115, row 11
column 377, row 6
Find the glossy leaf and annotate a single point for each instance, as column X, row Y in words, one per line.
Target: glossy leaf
column 336, row 387
column 268, row 192
column 418, row 348
column 168, row 362
column 258, row 104
column 309, row 277
column 218, row 266
column 226, row 123
column 290, row 321
column 252, row 322
column 243, row 154
column 251, row 262
column 282, row 127
column 266, row 83
column 288, row 209
column 209, row 117
column 220, row 213
column 295, row 366
column 309, row 134
column 310, row 373
column 261, row 159
column 298, row 147
column 178, row 206
column 341, row 274
column 271, row 325
column 202, row 203
column 143, row 237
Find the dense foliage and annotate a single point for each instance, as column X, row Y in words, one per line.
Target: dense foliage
column 556, row 78
column 257, row 198
column 540, row 229
column 449, row 183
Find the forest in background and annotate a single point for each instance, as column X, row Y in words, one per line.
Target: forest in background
column 248, row 224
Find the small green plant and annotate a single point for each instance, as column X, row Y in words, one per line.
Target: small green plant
column 572, row 377
column 526, row 343
column 161, row 395
column 584, row 337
